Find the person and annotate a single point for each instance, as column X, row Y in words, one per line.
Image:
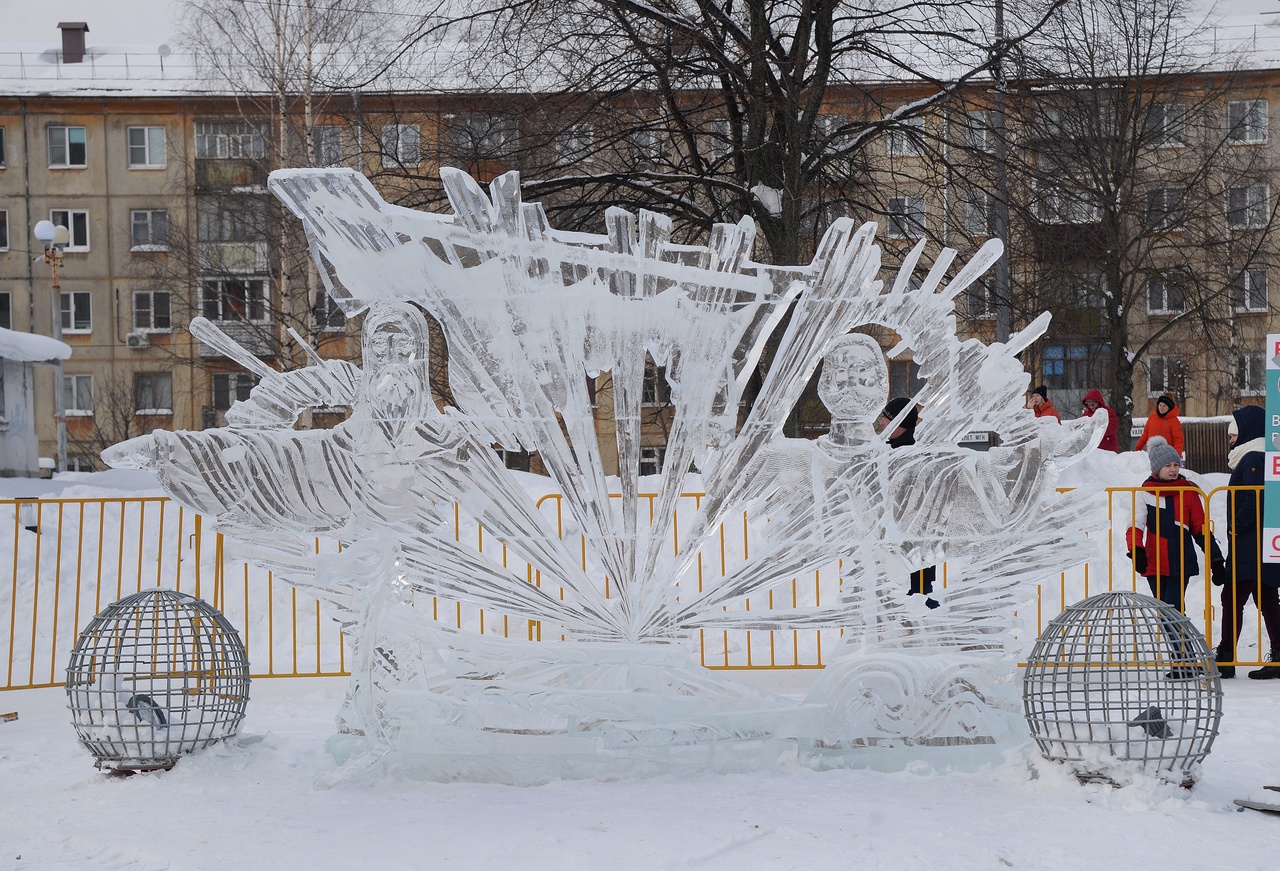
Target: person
column 1168, row 519
column 1041, row 405
column 1244, row 574
column 905, row 434
column 1163, row 423
column 1093, row 401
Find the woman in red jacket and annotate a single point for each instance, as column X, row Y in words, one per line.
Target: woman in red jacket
column 1166, row 525
column 1163, row 422
column 1092, row 402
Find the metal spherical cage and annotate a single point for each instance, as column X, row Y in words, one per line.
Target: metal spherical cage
column 1123, row 676
column 153, row 676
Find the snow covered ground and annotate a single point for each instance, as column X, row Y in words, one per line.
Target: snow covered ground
column 255, row 803
column 265, row 801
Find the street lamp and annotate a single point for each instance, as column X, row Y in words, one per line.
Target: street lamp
column 55, row 238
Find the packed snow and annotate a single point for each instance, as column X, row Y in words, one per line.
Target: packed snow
column 270, row 798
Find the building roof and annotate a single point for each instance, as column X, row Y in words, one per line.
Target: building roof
column 134, row 48
column 31, row 348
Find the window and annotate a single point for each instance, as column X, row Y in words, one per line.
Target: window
column 906, row 138
column 1053, row 125
column 1249, row 291
column 153, row 393
column 328, row 315
column 1164, row 125
column 518, row 460
column 77, row 223
column 1074, row 367
column 151, row 311
column 150, row 229
column 1060, row 205
column 1247, row 121
column 6, row 310
column 1088, row 290
column 978, row 209
column 1251, row 375
column 905, row 217
column 1, row 148
column 79, row 463
column 1166, row 374
column 232, row 299
column 401, row 145
column 655, row 390
column 146, row 148
column 1247, row 207
column 77, row 315
column 1165, row 209
column 573, row 145
column 228, row 139
column 326, row 141
column 4, row 230
column 476, row 135
column 982, row 299
column 77, row 395
column 904, row 378
column 1165, row 292
column 66, row 147
column 238, row 219
column 977, row 130
column 826, row 130
column 651, row 460
column 229, row 387
column 646, row 147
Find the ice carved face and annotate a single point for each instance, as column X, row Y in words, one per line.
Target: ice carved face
column 855, row 379
column 394, row 334
column 390, row 344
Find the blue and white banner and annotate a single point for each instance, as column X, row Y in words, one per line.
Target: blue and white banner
column 1271, row 487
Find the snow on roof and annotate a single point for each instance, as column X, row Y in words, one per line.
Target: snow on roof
column 30, row 348
column 146, row 58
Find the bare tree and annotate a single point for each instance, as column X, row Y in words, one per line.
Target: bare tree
column 1138, row 201
column 123, row 406
column 714, row 110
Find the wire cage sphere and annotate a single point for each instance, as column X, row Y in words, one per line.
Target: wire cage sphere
column 153, row 676
column 1123, row 676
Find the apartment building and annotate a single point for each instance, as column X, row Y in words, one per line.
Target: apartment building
column 160, row 181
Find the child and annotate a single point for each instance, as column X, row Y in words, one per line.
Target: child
column 1170, row 511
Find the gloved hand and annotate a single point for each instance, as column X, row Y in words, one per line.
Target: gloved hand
column 1220, row 573
column 1139, row 557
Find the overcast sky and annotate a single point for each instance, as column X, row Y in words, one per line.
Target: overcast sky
column 113, row 22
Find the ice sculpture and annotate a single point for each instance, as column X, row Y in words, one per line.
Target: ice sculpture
column 531, row 315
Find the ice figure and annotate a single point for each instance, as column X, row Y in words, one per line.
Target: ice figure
column 531, row 315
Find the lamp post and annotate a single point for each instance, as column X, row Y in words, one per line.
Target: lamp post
column 55, row 238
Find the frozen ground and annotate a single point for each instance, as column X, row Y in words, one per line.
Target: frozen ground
column 255, row 803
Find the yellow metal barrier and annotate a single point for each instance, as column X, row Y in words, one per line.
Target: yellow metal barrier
column 69, row 558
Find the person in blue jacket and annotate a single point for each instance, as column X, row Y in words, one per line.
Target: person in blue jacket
column 1244, row 574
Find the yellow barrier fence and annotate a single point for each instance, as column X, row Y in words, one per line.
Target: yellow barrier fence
column 69, row 558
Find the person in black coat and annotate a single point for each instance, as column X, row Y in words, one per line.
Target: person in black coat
column 905, row 434
column 1244, row 574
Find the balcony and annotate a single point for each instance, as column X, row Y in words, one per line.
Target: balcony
column 256, row 338
column 242, row 258
column 230, row 175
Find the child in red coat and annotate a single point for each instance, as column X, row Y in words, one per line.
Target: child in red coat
column 1168, row 521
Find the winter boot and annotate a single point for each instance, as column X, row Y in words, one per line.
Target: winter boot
column 1226, row 672
column 1268, row 672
